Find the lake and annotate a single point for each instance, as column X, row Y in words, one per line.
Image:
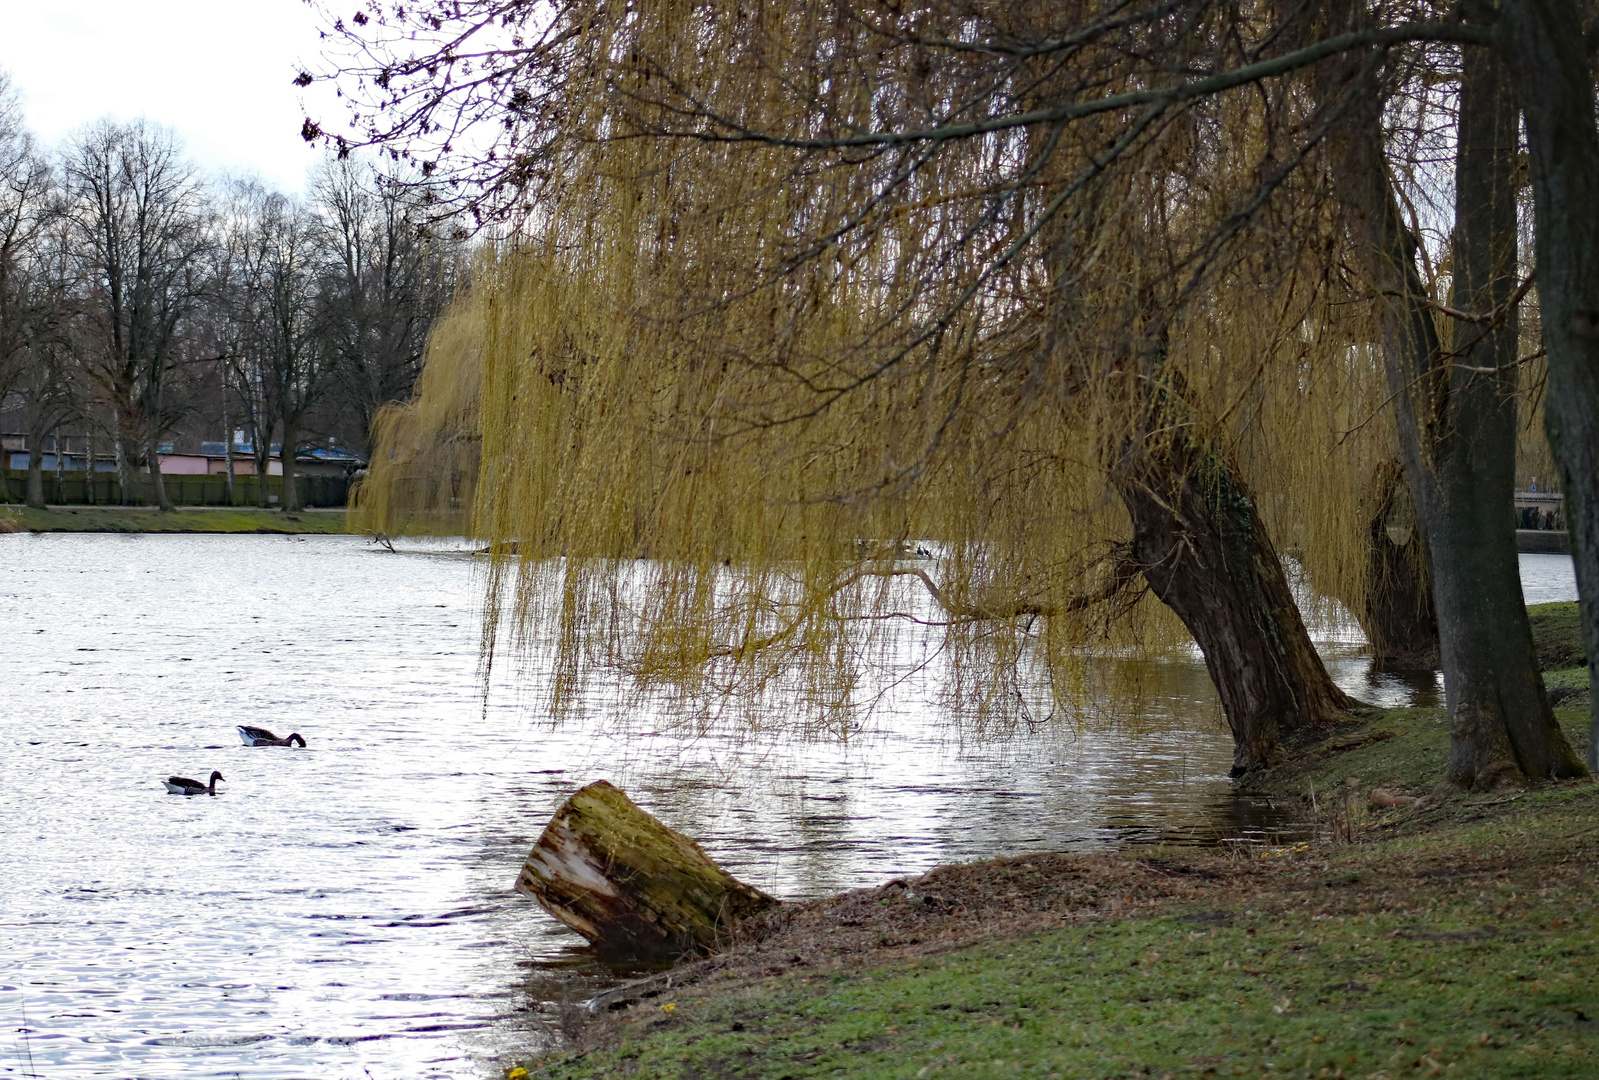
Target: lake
column 347, row 910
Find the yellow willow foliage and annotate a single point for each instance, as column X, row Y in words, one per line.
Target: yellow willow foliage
column 423, row 476
column 728, row 394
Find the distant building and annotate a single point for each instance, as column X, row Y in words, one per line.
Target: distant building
column 1540, row 510
column 206, row 458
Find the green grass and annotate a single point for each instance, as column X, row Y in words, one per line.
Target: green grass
column 1460, row 941
column 1557, row 632
column 189, row 519
column 1160, row 997
column 1426, row 955
column 1416, row 757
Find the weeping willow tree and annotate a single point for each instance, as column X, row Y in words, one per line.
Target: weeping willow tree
column 428, row 450
column 798, row 290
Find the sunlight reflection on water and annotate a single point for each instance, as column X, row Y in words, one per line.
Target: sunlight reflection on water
column 347, row 910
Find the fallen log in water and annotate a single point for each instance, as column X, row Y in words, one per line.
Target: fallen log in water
column 629, row 884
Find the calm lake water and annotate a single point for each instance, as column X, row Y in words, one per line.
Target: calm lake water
column 347, row 910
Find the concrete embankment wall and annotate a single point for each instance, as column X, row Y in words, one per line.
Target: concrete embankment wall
column 1543, row 541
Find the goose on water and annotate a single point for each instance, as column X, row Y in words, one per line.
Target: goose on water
column 260, row 736
column 182, row 785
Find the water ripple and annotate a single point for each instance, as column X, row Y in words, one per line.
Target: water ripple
column 279, row 929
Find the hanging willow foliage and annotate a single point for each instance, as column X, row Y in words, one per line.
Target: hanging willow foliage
column 719, row 389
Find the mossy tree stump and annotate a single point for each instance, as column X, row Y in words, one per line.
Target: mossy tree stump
column 629, row 884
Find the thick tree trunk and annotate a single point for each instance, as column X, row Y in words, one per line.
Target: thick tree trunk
column 1547, row 55
column 124, row 466
column 157, row 487
column 1200, row 544
column 290, row 499
column 35, row 497
column 35, row 480
column 227, row 450
column 263, row 462
column 1456, row 418
column 629, row 884
column 1397, row 612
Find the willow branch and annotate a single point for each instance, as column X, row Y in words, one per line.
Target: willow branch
column 1123, row 573
column 1381, row 38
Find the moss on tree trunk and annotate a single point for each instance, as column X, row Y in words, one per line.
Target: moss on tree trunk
column 629, row 884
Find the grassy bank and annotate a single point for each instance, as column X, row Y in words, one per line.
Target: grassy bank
column 1445, row 937
column 187, row 519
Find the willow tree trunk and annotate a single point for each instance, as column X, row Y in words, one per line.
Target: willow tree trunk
column 1397, row 613
column 1456, row 416
column 1547, row 53
column 1200, row 544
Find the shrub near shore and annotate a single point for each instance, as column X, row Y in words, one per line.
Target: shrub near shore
column 1446, row 939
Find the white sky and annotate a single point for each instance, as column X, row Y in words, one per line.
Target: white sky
column 218, row 72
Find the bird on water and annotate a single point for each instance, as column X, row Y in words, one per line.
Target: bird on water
column 182, row 785
column 260, row 736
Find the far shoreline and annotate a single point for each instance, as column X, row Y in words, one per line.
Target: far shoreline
column 17, row 518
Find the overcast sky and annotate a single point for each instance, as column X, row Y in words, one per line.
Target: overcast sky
column 218, row 72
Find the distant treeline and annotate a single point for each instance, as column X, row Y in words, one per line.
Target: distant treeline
column 143, row 303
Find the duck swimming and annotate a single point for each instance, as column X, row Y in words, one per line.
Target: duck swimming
column 260, row 736
column 182, row 785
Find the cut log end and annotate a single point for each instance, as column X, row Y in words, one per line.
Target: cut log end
column 629, row 884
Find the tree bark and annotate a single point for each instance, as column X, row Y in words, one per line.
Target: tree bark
column 290, row 499
column 35, row 496
column 1456, row 417
column 1200, row 544
column 124, row 466
column 157, row 487
column 263, row 463
column 227, row 444
column 1397, row 612
column 629, row 884
column 1546, row 52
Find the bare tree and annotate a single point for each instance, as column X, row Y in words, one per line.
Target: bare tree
column 138, row 211
column 1550, row 65
column 239, row 310
column 384, row 282
column 36, row 294
column 1454, row 390
column 50, row 386
column 24, row 192
column 268, row 280
column 297, row 364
